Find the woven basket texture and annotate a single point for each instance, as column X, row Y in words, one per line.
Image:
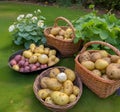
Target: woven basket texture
column 103, row 88
column 66, row 47
column 55, row 108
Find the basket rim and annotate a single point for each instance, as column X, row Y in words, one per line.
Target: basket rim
column 96, row 77
column 58, row 106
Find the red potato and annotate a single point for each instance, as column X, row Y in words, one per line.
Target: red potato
column 18, row 57
column 26, row 63
column 27, row 69
column 37, row 64
column 33, row 68
column 13, row 62
column 26, row 59
column 21, row 70
column 43, row 66
column 21, row 63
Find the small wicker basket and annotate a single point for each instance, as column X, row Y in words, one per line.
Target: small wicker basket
column 56, row 108
column 103, row 88
column 66, row 47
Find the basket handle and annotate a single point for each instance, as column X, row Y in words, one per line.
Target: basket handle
column 67, row 21
column 102, row 43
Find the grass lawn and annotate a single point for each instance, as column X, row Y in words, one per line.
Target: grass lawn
column 16, row 89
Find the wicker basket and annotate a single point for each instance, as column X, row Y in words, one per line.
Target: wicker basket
column 66, row 47
column 103, row 88
column 56, row 108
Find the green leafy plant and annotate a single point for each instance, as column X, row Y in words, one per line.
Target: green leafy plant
column 28, row 29
column 92, row 27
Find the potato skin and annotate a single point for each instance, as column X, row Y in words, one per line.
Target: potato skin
column 68, row 87
column 43, row 82
column 85, row 56
column 55, row 30
column 43, row 93
column 76, row 90
column 88, row 64
column 72, row 98
column 54, row 72
column 113, row 71
column 60, row 98
column 95, row 56
column 53, row 84
column 70, row 74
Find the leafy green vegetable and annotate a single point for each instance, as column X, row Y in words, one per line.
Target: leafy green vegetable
column 92, row 27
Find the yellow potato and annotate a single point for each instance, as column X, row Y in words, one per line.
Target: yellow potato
column 68, row 87
column 55, row 30
column 103, row 53
column 33, row 59
column 101, row 64
column 70, row 74
column 53, row 84
column 27, row 54
column 54, row 72
column 72, row 98
column 43, row 82
column 46, row 50
column 32, row 47
column 49, row 100
column 88, row 64
column 52, row 52
column 76, row 90
column 60, row 98
column 44, row 93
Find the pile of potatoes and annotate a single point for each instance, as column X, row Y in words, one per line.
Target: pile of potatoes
column 60, row 33
column 34, row 58
column 59, row 88
column 101, row 64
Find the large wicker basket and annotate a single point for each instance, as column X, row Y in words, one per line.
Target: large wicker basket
column 66, row 47
column 55, row 108
column 103, row 88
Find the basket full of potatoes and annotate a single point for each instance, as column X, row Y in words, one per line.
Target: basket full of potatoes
column 58, row 88
column 99, row 70
column 61, row 37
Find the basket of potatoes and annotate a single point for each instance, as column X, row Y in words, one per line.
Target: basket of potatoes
column 58, row 88
column 99, row 70
column 61, row 37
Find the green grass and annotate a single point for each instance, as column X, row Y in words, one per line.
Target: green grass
column 16, row 94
